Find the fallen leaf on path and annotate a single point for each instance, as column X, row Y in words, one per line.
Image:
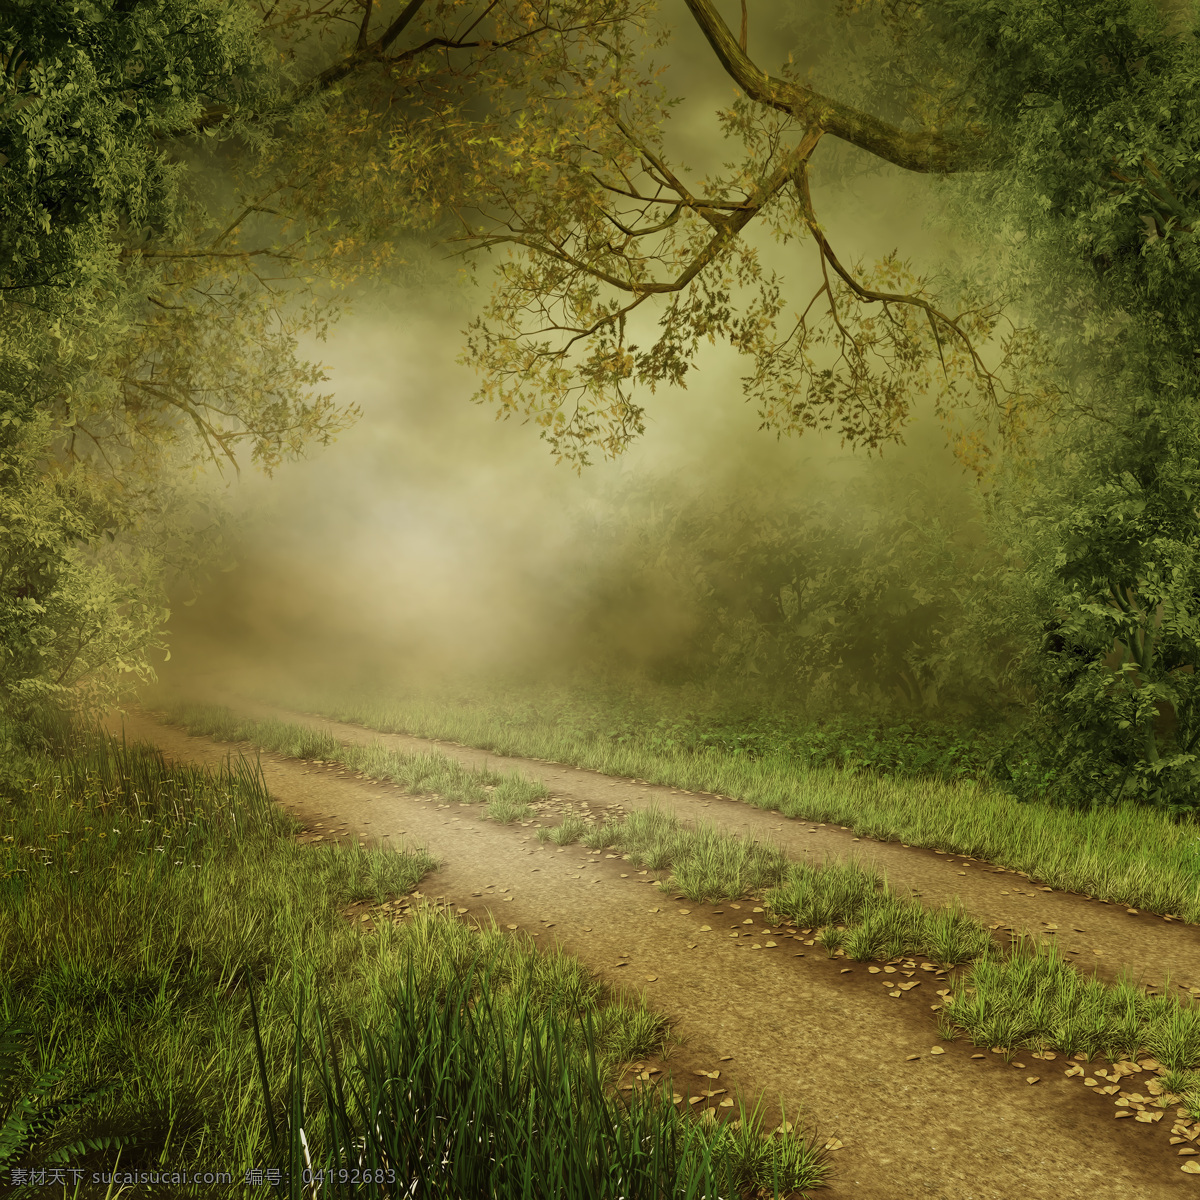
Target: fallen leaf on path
column 845, row 970
column 651, row 978
column 1189, row 1150
column 728, row 1103
column 907, row 987
column 979, row 1056
column 912, row 1058
column 896, row 994
column 706, row 929
column 1147, row 1117
column 874, row 970
column 1191, row 1168
column 834, row 1144
column 1123, row 1112
column 937, row 1050
column 1031, row 1078
column 514, row 927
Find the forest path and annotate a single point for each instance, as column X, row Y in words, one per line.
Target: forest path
column 823, row 1036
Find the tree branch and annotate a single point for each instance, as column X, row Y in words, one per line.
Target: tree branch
column 925, row 152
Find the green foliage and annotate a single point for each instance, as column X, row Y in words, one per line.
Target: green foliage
column 1094, row 209
column 1034, row 999
column 877, row 592
column 476, row 1097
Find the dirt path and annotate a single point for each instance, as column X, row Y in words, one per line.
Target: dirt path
column 817, row 1032
column 1094, row 934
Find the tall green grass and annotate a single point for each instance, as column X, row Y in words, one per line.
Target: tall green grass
column 460, row 1096
column 1032, row 999
column 1125, row 854
column 160, row 935
column 507, row 795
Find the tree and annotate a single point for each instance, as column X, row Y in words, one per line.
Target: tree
column 534, row 131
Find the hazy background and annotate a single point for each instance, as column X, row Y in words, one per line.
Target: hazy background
column 432, row 539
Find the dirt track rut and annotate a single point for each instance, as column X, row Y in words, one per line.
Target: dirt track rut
column 827, row 1039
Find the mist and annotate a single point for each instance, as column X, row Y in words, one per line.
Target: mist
column 432, row 541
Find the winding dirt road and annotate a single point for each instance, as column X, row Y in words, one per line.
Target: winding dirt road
column 822, row 1034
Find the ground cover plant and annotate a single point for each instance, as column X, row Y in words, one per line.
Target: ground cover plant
column 1032, row 999
column 416, row 1108
column 160, row 932
column 507, row 795
column 1026, row 999
column 1126, row 852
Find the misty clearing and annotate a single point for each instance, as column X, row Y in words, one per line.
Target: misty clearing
column 600, row 598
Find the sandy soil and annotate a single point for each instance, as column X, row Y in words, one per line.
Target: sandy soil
column 822, row 1035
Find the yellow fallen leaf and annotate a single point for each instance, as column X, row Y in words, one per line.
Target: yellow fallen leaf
column 1031, row 1078
column 907, row 987
column 874, row 970
column 1075, row 1070
column 1191, row 1168
column 834, row 1144
column 937, row 1050
column 727, row 1102
column 651, row 978
column 1189, row 1150
column 896, row 994
column 1123, row 1112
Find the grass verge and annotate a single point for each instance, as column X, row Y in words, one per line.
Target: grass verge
column 159, row 934
column 507, row 796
